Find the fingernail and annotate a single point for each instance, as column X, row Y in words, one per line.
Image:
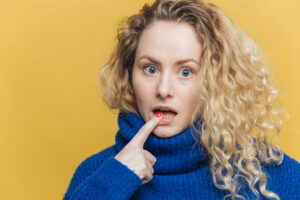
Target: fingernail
column 158, row 115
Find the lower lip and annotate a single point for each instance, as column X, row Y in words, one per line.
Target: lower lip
column 165, row 121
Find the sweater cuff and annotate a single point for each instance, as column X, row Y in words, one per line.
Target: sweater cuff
column 121, row 182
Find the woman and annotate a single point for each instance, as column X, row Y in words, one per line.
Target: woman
column 197, row 111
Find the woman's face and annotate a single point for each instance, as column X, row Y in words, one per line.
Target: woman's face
column 164, row 75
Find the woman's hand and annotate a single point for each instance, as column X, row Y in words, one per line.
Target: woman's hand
column 135, row 157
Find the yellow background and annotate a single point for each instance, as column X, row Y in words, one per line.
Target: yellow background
column 51, row 118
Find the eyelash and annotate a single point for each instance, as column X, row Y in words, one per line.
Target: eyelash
column 146, row 66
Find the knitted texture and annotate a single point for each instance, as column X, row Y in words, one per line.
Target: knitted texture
column 181, row 171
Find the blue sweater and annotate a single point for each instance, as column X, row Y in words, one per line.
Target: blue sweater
column 181, row 171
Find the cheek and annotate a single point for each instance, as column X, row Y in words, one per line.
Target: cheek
column 141, row 91
column 189, row 99
column 142, row 88
column 136, row 84
column 188, row 93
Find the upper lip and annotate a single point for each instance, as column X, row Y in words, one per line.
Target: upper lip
column 164, row 108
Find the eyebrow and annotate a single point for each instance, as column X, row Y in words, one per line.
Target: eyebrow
column 178, row 62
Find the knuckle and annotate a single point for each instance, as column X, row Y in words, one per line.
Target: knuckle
column 152, row 171
column 133, row 145
column 154, row 159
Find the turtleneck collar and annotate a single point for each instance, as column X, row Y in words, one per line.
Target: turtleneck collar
column 177, row 154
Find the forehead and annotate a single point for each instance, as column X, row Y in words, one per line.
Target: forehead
column 169, row 39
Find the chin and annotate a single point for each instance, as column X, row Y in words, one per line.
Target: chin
column 164, row 132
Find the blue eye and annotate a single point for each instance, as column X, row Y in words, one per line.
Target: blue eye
column 186, row 72
column 150, row 69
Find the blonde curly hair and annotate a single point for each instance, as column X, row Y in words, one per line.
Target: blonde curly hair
column 239, row 106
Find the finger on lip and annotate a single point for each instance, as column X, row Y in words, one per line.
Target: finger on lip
column 145, row 131
column 154, row 115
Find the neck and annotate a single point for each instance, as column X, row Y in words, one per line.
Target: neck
column 177, row 154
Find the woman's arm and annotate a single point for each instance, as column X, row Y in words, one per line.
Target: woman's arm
column 111, row 180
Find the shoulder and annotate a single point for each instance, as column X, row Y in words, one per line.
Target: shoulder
column 288, row 167
column 290, row 170
column 93, row 162
column 284, row 179
column 290, row 162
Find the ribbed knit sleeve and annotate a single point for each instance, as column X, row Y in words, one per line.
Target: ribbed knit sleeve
column 112, row 180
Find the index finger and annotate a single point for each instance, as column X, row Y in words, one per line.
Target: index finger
column 142, row 135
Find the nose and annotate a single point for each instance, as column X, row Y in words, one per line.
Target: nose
column 165, row 88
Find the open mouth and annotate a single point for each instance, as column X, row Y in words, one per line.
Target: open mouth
column 168, row 115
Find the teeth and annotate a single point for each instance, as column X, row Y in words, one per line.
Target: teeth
column 168, row 116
